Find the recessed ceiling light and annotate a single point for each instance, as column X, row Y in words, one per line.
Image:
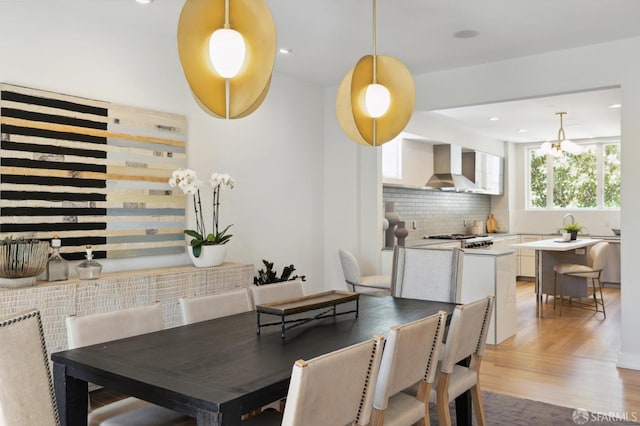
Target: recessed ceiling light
column 615, row 106
column 285, row 51
column 522, row 130
column 466, row 34
column 494, row 119
column 144, row 1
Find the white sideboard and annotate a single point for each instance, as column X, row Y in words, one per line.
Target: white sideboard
column 114, row 291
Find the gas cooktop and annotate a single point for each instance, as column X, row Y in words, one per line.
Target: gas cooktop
column 454, row 236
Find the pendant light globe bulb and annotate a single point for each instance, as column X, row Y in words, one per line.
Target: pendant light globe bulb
column 571, row 147
column 377, row 100
column 227, row 51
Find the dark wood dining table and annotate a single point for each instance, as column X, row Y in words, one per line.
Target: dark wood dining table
column 217, row 370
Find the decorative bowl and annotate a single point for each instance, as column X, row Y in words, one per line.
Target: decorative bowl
column 21, row 259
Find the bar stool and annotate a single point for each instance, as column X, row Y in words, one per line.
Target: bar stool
column 593, row 271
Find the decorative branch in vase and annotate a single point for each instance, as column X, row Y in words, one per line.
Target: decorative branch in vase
column 188, row 182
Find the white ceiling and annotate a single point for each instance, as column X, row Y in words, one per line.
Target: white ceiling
column 329, row 36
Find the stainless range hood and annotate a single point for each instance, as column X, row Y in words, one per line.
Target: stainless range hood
column 447, row 170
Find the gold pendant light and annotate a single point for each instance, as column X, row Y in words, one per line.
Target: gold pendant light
column 227, row 50
column 562, row 145
column 376, row 98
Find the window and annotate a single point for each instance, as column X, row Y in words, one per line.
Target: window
column 587, row 180
column 392, row 159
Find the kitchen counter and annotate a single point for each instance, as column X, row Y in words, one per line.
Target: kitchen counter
column 556, row 244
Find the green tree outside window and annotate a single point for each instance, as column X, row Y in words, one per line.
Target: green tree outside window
column 575, row 178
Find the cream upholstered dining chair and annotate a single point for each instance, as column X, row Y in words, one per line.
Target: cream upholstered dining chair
column 597, row 259
column 98, row 328
column 466, row 338
column 354, row 278
column 26, row 390
column 331, row 389
column 277, row 291
column 196, row 309
column 410, row 356
column 427, row 273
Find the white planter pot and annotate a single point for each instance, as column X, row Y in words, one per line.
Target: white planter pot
column 209, row 256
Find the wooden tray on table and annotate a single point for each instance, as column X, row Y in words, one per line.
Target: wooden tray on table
column 283, row 308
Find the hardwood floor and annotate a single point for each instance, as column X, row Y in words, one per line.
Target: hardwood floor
column 568, row 360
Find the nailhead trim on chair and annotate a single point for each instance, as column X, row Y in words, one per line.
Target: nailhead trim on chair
column 487, row 313
column 367, row 380
column 432, row 354
column 22, row 317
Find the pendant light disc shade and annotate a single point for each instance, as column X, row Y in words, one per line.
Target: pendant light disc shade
column 199, row 19
column 351, row 107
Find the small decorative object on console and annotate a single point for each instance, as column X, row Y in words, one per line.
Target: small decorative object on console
column 57, row 267
column 89, row 269
column 187, row 181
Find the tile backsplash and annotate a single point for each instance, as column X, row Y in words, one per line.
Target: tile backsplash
column 436, row 212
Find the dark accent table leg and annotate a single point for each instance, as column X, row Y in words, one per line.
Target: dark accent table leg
column 464, row 409
column 71, row 396
column 210, row 418
column 257, row 322
column 284, row 328
column 463, row 402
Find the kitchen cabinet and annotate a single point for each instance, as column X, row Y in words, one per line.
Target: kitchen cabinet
column 487, row 274
column 527, row 257
column 485, row 170
column 611, row 273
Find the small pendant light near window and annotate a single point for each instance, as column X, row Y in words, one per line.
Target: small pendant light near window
column 562, row 145
column 227, row 50
column 376, row 98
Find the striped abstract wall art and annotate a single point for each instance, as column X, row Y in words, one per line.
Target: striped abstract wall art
column 91, row 172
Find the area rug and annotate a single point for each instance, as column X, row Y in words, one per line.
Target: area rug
column 503, row 410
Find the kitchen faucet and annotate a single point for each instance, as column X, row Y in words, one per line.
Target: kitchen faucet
column 570, row 216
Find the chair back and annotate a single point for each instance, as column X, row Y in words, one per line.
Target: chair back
column 467, row 333
column 410, row 355
column 196, row 309
column 335, row 388
column 278, row 291
column 350, row 268
column 427, row 273
column 598, row 256
column 26, row 390
column 97, row 328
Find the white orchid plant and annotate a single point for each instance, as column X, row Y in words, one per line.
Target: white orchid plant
column 188, row 182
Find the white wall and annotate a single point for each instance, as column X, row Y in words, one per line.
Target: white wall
column 275, row 155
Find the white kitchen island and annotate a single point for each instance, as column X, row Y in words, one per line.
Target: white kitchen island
column 549, row 253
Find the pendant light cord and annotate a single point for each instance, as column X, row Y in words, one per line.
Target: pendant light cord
column 375, row 60
column 226, row 14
